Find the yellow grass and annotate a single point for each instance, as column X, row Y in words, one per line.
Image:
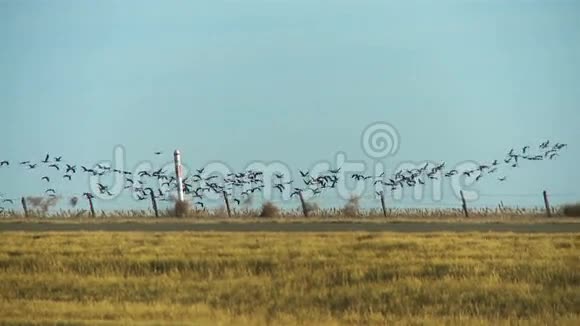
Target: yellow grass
column 287, row 279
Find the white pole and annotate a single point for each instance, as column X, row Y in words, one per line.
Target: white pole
column 178, row 174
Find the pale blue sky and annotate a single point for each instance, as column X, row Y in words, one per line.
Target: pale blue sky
column 292, row 81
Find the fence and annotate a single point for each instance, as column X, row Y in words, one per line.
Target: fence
column 379, row 200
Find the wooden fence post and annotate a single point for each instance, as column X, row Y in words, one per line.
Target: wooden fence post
column 464, row 204
column 90, row 198
column 383, row 203
column 154, row 202
column 304, row 208
column 23, row 201
column 227, row 203
column 547, row 204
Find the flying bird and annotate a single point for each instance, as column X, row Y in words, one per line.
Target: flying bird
column 525, row 149
column 45, row 178
column 46, row 159
column 4, row 163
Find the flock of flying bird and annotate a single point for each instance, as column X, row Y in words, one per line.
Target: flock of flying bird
column 241, row 186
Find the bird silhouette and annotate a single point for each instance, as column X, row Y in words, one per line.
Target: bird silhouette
column 71, row 168
column 8, row 201
column 46, row 159
column 66, row 176
column 525, row 149
column 45, row 178
column 54, row 166
column 4, row 163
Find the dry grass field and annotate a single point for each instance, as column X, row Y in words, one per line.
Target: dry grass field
column 285, row 279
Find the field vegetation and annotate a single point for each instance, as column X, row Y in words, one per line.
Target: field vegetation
column 286, row 279
column 270, row 210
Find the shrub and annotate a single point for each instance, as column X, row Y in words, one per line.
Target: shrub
column 351, row 209
column 311, row 208
column 572, row 210
column 269, row 210
column 182, row 208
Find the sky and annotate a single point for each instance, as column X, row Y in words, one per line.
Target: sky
column 295, row 82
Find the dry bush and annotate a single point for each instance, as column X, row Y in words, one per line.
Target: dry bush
column 220, row 211
column 352, row 207
column 311, row 208
column 182, row 208
column 270, row 210
column 74, row 201
column 42, row 203
column 572, row 210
